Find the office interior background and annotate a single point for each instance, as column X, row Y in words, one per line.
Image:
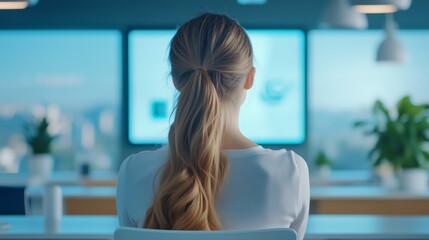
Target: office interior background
column 65, row 60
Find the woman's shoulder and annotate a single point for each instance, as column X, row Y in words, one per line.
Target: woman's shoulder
column 135, row 185
column 289, row 159
column 260, row 153
column 147, row 155
column 282, row 163
column 144, row 161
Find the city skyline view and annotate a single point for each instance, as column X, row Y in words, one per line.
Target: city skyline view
column 70, row 76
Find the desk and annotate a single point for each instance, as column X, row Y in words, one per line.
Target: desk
column 94, row 194
column 346, row 192
column 344, row 177
column 359, row 199
column 320, row 227
column 367, row 199
column 69, row 228
column 332, row 227
column 97, row 178
column 78, row 200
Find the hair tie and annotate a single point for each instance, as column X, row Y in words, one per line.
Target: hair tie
column 200, row 69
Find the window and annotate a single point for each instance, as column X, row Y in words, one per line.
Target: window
column 345, row 81
column 73, row 78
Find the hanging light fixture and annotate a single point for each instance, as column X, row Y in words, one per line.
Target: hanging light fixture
column 380, row 6
column 251, row 2
column 390, row 49
column 340, row 14
column 16, row 4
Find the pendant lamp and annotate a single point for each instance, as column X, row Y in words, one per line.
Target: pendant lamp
column 341, row 14
column 390, row 49
column 16, row 4
column 380, row 6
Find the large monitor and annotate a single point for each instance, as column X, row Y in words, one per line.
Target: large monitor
column 274, row 112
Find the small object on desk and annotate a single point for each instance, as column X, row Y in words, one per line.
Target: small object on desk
column 323, row 173
column 53, row 203
column 85, row 170
column 4, row 226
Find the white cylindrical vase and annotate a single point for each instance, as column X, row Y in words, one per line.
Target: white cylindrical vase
column 324, row 172
column 413, row 180
column 40, row 166
column 53, row 203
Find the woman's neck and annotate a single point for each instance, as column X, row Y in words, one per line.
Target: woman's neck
column 234, row 139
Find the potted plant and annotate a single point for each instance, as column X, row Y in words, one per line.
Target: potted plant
column 401, row 138
column 323, row 164
column 40, row 164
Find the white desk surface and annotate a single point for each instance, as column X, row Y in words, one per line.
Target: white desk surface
column 367, row 227
column 319, row 227
column 343, row 177
column 316, row 192
column 70, row 227
column 77, row 191
column 341, row 185
column 57, row 177
column 362, row 192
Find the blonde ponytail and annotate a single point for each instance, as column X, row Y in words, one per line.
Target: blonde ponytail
column 196, row 169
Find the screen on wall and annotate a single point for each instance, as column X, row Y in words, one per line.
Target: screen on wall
column 274, row 111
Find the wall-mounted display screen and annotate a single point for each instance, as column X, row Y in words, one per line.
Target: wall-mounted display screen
column 274, row 111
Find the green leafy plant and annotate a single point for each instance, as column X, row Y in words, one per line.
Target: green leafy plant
column 401, row 138
column 323, row 160
column 38, row 136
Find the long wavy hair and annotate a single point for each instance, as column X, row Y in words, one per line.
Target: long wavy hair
column 210, row 56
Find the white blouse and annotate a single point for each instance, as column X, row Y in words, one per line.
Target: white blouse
column 264, row 189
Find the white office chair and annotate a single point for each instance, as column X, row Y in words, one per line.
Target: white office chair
column 127, row 233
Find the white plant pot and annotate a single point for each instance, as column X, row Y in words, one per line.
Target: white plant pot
column 413, row 180
column 324, row 172
column 40, row 166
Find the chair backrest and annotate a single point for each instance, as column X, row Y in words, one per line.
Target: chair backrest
column 127, row 233
column 12, row 200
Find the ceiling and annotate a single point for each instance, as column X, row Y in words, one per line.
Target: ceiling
column 124, row 14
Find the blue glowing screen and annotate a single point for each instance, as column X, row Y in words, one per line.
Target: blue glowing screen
column 274, row 109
